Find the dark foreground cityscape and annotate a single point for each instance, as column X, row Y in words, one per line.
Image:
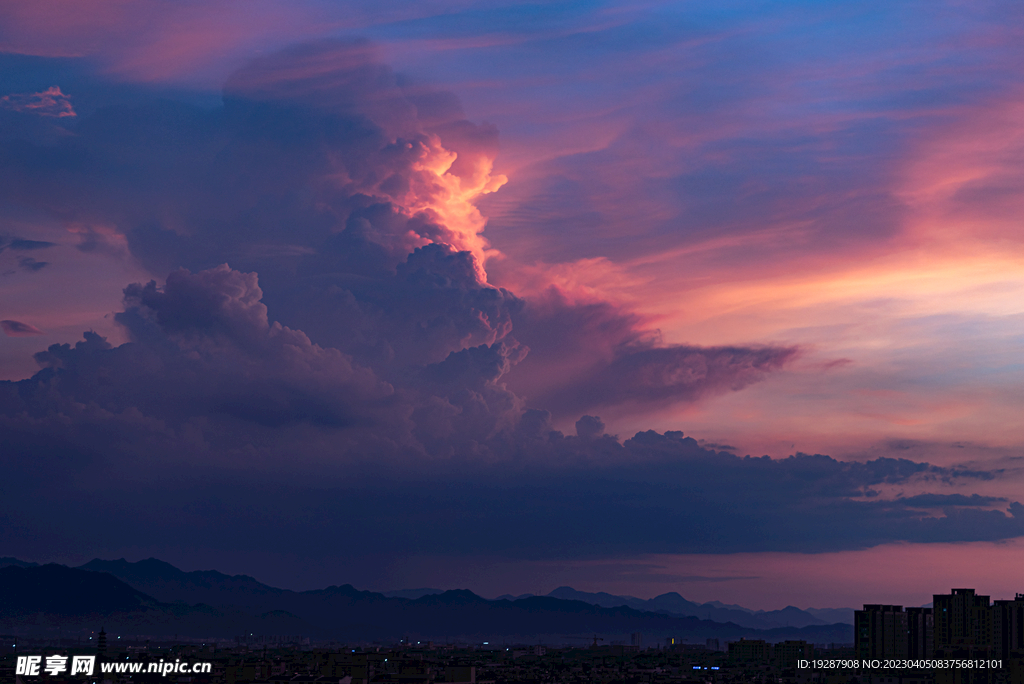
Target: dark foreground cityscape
column 963, row 638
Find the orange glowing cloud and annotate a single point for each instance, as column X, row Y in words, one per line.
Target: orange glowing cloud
column 450, row 198
column 452, row 159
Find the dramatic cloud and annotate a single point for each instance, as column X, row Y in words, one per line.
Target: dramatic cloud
column 322, row 355
column 215, row 399
column 349, row 190
column 527, row 493
column 202, row 347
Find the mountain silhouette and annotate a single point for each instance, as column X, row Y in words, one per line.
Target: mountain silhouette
column 674, row 604
column 155, row 597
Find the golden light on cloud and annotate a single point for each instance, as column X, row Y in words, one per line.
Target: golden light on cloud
column 451, row 196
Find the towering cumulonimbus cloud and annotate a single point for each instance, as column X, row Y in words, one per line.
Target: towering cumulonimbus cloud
column 408, row 148
column 349, row 191
column 433, row 163
column 325, row 335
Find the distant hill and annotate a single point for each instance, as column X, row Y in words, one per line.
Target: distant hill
column 827, row 615
column 61, row 591
column 345, row 613
column 412, row 593
column 168, row 583
column 39, row 598
column 831, row 615
column 6, row 562
column 732, row 606
column 674, row 604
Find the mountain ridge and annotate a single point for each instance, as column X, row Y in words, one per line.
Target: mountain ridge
column 673, row 603
column 237, row 598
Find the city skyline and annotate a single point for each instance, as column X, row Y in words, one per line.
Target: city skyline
column 629, row 297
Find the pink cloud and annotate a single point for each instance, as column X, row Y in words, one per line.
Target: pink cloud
column 50, row 102
column 964, row 178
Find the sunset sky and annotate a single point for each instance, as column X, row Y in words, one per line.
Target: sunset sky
column 501, row 296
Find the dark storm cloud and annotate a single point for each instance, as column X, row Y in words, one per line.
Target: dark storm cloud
column 314, row 174
column 214, row 398
column 368, row 384
column 546, row 496
column 426, row 307
column 202, row 346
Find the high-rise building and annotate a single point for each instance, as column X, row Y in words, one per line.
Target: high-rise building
column 920, row 633
column 749, row 649
column 962, row 618
column 880, row 631
column 1008, row 626
column 636, row 639
column 787, row 653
